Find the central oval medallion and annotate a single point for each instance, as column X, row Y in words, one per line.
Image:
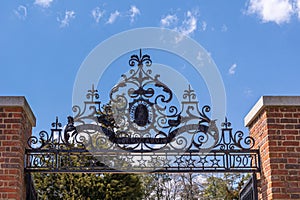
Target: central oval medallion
column 141, row 115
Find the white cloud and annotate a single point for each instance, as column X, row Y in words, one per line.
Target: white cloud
column 21, row 12
column 209, row 57
column 200, row 58
column 278, row 11
column 134, row 11
column 113, row 16
column 189, row 25
column 69, row 15
column 169, row 20
column 97, row 14
column 298, row 8
column 43, row 3
column 232, row 69
column 224, row 28
column 204, row 25
column 248, row 92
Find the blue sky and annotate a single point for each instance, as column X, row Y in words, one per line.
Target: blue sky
column 255, row 45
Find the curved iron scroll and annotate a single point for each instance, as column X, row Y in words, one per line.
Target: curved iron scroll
column 140, row 130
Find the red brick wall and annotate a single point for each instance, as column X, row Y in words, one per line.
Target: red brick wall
column 277, row 133
column 15, row 128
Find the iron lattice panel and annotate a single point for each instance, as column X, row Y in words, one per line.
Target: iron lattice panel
column 172, row 162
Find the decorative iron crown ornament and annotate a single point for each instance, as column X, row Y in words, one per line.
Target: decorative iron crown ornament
column 140, row 115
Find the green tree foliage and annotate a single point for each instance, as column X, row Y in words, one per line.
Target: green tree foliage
column 84, row 186
column 225, row 187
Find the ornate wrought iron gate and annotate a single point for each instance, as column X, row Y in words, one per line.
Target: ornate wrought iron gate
column 139, row 131
column 56, row 155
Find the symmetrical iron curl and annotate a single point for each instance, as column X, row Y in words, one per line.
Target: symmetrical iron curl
column 140, row 60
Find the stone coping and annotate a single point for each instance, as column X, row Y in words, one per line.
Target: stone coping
column 18, row 101
column 270, row 101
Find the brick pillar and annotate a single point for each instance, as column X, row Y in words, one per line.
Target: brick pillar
column 274, row 122
column 16, row 122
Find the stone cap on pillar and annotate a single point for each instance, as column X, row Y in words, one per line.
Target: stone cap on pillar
column 18, row 101
column 265, row 101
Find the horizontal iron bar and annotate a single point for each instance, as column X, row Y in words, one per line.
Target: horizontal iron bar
column 118, row 151
column 192, row 170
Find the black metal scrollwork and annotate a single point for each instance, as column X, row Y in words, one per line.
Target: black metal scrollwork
column 140, row 130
